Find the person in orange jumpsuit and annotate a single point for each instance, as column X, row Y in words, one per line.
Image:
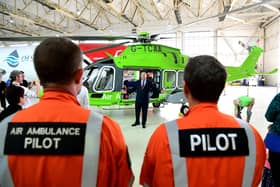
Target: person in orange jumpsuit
column 205, row 147
column 56, row 142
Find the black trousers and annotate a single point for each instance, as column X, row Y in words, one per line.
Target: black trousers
column 3, row 101
column 274, row 160
column 144, row 107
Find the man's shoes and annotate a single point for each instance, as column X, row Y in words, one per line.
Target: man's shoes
column 135, row 124
column 144, row 126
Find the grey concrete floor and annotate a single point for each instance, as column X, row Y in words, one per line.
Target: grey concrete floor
column 137, row 137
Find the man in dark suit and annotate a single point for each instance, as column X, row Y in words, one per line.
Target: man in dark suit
column 142, row 88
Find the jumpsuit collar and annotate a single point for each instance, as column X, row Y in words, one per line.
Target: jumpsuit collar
column 60, row 95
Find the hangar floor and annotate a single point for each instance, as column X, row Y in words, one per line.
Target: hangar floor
column 137, row 137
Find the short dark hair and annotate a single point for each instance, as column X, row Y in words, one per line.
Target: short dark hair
column 56, row 60
column 13, row 94
column 14, row 74
column 205, row 77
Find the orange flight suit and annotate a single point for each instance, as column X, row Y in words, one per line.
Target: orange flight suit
column 218, row 171
column 66, row 170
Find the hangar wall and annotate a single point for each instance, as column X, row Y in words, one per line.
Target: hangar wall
column 271, row 52
column 229, row 50
column 224, row 44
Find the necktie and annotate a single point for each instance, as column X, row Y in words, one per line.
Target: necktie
column 143, row 84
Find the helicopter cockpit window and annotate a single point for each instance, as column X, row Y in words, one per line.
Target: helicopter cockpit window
column 105, row 79
column 169, row 80
column 180, row 79
column 93, row 75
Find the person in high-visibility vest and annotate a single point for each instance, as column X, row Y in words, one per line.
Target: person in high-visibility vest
column 56, row 142
column 240, row 103
column 205, row 147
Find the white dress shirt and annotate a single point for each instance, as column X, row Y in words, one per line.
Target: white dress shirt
column 83, row 97
column 28, row 95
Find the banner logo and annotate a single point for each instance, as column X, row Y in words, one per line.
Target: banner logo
column 12, row 59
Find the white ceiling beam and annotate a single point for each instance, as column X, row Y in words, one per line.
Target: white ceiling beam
column 140, row 8
column 236, row 19
column 158, row 17
column 185, row 6
column 256, row 14
column 271, row 8
column 270, row 21
column 232, row 5
column 69, row 14
column 211, row 5
column 249, row 7
column 156, row 9
column 14, row 30
column 23, row 16
column 199, row 7
column 227, row 26
column 109, row 10
column 119, row 13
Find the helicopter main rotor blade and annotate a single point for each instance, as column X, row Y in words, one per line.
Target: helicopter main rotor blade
column 93, row 65
column 156, row 37
column 80, row 38
column 105, row 47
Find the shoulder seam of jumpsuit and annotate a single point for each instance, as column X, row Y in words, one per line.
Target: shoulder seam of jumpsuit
column 91, row 150
column 250, row 160
column 179, row 164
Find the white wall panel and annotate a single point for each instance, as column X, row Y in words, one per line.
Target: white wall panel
column 271, row 54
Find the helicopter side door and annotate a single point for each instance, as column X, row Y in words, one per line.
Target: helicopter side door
column 173, row 84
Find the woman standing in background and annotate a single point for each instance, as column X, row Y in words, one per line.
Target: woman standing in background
column 272, row 139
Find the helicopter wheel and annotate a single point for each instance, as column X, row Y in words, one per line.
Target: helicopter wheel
column 184, row 109
column 156, row 105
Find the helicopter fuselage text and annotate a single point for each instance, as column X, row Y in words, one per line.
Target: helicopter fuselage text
column 146, row 48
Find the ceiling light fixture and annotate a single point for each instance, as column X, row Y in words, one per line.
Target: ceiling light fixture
column 11, row 20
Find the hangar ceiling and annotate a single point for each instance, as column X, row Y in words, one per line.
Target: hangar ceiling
column 126, row 17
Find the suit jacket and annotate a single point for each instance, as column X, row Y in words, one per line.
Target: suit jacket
column 142, row 95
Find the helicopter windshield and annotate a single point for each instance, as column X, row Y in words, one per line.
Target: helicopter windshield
column 105, row 79
column 89, row 77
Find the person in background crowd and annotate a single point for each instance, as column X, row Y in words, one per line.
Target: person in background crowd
column 240, row 103
column 24, row 82
column 2, row 92
column 15, row 98
column 56, row 142
column 83, row 97
column 16, row 80
column 205, row 147
column 272, row 139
